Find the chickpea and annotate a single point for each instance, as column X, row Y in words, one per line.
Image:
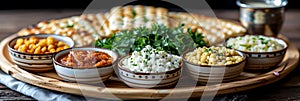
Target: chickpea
column 32, row 46
column 23, row 48
column 44, row 49
column 19, row 49
column 232, row 52
column 52, row 50
column 203, row 60
column 33, row 41
column 229, row 62
column 50, row 41
column 19, row 42
column 31, row 50
column 65, row 47
column 39, row 46
column 60, row 44
column 213, row 56
column 59, row 49
column 17, row 46
column 51, row 47
column 42, row 43
column 37, row 50
column 240, row 59
column 228, row 58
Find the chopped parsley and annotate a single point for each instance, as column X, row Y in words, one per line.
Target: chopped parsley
column 265, row 42
column 246, row 46
column 207, row 50
column 133, row 13
column 229, row 46
column 261, row 38
column 70, row 26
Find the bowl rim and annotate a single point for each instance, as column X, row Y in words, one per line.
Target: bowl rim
column 142, row 73
column 213, row 66
column 39, row 36
column 55, row 62
column 286, row 45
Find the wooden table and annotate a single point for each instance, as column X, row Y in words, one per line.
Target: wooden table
column 286, row 89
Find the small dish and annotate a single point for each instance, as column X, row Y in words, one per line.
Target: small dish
column 149, row 68
column 35, row 62
column 213, row 73
column 148, row 80
column 89, row 74
column 257, row 61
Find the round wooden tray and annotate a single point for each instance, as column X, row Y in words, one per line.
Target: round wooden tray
column 115, row 89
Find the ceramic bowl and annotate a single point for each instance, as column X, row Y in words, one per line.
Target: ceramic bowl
column 148, row 80
column 264, row 60
column 91, row 75
column 213, row 74
column 258, row 61
column 35, row 62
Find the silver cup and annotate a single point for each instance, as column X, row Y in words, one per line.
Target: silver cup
column 262, row 17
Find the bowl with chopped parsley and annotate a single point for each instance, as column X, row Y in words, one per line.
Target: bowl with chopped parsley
column 150, row 68
column 262, row 52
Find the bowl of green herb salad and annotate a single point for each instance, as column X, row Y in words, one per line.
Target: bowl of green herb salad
column 262, row 52
column 151, row 57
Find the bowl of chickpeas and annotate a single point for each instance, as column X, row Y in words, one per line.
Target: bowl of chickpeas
column 34, row 52
column 213, row 64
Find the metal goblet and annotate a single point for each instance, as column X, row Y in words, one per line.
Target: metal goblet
column 262, row 17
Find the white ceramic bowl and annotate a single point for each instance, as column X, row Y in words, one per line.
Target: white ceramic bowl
column 148, row 80
column 257, row 61
column 91, row 75
column 35, row 62
column 213, row 74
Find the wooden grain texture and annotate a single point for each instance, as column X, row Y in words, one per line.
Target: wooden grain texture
column 13, row 20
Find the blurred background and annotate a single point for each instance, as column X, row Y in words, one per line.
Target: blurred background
column 82, row 4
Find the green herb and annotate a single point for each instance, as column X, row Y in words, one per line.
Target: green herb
column 105, row 43
column 145, row 19
column 265, row 42
column 197, row 38
column 161, row 37
column 134, row 64
column 70, row 26
column 229, row 46
column 246, row 46
column 207, row 50
column 158, row 42
column 220, row 54
column 261, row 38
column 133, row 13
column 147, row 56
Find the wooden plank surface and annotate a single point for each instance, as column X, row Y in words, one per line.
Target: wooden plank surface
column 286, row 89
